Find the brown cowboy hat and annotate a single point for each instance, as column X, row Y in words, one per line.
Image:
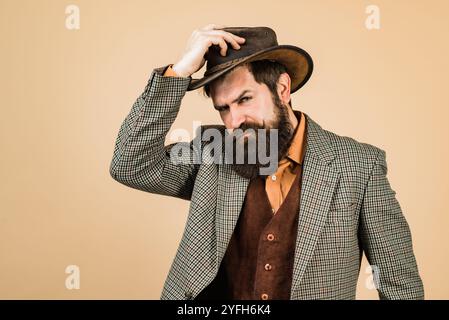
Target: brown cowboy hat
column 261, row 43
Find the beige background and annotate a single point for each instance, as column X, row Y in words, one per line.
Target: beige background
column 64, row 94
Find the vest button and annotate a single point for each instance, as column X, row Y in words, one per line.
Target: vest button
column 264, row 296
column 270, row 237
column 273, row 177
column 268, row 267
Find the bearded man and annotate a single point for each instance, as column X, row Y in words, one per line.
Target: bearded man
column 295, row 230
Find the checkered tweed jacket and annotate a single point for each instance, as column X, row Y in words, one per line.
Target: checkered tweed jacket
column 347, row 206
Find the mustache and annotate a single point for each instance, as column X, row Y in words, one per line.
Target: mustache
column 252, row 125
column 242, row 129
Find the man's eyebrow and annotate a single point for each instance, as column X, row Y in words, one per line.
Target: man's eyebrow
column 235, row 100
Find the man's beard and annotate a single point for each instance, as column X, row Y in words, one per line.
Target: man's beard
column 252, row 169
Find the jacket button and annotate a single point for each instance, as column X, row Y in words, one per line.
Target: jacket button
column 270, row 237
column 264, row 296
column 189, row 295
column 268, row 267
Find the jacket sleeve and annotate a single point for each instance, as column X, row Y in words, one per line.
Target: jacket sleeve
column 140, row 159
column 386, row 239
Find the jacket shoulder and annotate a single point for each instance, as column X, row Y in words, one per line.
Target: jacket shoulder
column 349, row 150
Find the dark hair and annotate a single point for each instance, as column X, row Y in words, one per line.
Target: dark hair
column 264, row 71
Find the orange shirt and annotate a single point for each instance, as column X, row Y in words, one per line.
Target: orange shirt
column 170, row 72
column 278, row 184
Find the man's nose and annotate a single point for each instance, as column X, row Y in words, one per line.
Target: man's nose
column 237, row 118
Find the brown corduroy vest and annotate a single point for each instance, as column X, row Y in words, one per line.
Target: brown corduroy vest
column 258, row 263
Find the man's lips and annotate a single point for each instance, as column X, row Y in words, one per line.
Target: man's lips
column 245, row 134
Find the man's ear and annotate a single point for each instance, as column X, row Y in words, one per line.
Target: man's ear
column 283, row 87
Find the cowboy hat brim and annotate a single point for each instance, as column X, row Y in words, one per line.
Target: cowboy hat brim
column 298, row 63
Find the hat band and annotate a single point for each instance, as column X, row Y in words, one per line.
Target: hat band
column 222, row 66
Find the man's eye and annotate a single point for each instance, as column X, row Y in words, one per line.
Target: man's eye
column 245, row 99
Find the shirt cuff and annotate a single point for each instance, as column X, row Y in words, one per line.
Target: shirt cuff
column 170, row 72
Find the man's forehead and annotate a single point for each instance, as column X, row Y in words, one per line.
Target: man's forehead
column 233, row 85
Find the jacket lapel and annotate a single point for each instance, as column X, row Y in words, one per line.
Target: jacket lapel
column 318, row 184
column 230, row 197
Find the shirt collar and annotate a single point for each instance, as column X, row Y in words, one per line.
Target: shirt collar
column 296, row 150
